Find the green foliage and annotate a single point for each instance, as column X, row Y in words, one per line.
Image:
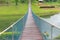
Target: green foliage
column 50, row 0
column 16, row 1
column 3, row 1
column 10, row 14
column 33, row 1
column 9, row 35
column 23, row 1
column 43, row 12
column 58, row 37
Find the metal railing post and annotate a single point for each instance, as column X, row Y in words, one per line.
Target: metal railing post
column 52, row 32
column 12, row 33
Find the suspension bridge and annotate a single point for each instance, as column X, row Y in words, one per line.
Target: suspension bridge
column 31, row 27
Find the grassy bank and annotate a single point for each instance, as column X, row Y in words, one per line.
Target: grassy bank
column 10, row 14
column 44, row 12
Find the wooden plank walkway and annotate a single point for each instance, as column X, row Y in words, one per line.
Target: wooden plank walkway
column 31, row 31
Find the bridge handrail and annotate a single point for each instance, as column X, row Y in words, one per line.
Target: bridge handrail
column 11, row 25
column 54, row 25
column 48, row 22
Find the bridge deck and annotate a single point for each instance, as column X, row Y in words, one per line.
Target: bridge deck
column 31, row 31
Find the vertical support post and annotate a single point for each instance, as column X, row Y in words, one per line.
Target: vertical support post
column 12, row 33
column 52, row 32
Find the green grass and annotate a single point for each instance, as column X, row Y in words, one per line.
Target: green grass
column 9, row 35
column 43, row 12
column 57, row 4
column 10, row 14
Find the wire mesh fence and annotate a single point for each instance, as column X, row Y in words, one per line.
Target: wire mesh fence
column 48, row 31
column 15, row 31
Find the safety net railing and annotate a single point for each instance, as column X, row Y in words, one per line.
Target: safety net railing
column 48, row 30
column 14, row 32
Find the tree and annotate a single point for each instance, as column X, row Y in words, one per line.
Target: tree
column 46, row 0
column 16, row 1
column 50, row 0
column 22, row 1
column 54, row 0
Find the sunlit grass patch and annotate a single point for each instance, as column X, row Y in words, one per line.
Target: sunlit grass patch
column 43, row 12
column 10, row 14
